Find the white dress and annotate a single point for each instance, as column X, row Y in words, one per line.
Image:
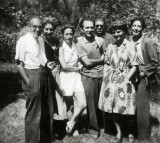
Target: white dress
column 70, row 81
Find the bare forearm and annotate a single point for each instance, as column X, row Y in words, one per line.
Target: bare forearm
column 70, row 68
column 94, row 62
column 131, row 72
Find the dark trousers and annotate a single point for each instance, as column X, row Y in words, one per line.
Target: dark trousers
column 38, row 119
column 92, row 88
column 143, row 110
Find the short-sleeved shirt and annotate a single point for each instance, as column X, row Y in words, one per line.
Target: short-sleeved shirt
column 92, row 51
column 31, row 51
column 108, row 39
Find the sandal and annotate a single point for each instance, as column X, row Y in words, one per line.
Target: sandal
column 131, row 138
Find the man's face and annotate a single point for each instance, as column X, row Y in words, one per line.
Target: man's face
column 36, row 27
column 88, row 29
column 99, row 27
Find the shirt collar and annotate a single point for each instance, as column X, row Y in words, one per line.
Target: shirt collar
column 85, row 40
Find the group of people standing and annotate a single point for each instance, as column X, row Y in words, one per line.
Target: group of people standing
column 106, row 74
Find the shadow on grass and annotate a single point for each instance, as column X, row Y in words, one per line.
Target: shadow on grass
column 10, row 86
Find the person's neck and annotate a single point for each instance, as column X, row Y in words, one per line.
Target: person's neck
column 90, row 39
column 69, row 44
column 119, row 42
column 36, row 38
column 100, row 34
column 136, row 38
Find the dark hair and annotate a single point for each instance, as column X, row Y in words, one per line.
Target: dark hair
column 50, row 20
column 67, row 26
column 139, row 19
column 85, row 19
column 122, row 27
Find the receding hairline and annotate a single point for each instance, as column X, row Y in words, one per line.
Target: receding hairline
column 87, row 20
column 35, row 18
column 99, row 19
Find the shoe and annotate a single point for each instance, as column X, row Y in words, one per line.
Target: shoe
column 131, row 138
column 70, row 127
column 75, row 133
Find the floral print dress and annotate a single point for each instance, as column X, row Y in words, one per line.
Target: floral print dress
column 117, row 95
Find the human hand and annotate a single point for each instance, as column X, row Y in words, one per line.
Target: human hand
column 51, row 65
column 102, row 57
column 142, row 74
column 126, row 80
column 80, row 66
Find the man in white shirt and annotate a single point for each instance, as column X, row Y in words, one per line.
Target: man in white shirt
column 31, row 62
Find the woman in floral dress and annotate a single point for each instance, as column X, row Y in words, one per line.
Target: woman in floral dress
column 118, row 92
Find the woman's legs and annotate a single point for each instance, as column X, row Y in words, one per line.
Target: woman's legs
column 80, row 106
column 117, row 122
column 80, row 102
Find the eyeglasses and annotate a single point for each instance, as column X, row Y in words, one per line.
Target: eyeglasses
column 37, row 26
column 101, row 26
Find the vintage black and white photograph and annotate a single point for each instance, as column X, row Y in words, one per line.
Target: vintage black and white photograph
column 79, row 71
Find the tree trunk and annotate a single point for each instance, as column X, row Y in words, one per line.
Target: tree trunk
column 158, row 10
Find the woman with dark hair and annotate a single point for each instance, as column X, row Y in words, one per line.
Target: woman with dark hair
column 148, row 62
column 70, row 78
column 117, row 96
column 52, row 54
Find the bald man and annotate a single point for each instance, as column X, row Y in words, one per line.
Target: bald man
column 31, row 63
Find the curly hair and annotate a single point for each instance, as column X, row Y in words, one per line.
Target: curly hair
column 50, row 20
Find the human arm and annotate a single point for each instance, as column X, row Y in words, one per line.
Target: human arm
column 21, row 70
column 152, row 59
column 92, row 62
column 132, row 55
column 63, row 63
column 88, row 62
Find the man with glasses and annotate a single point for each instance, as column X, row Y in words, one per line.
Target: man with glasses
column 100, row 31
column 92, row 59
column 31, row 62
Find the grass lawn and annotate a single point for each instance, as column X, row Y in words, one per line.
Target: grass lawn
column 12, row 126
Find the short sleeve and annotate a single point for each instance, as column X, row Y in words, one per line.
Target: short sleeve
column 80, row 50
column 131, row 47
column 108, row 53
column 20, row 50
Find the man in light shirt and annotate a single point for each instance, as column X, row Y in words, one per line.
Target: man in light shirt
column 31, row 63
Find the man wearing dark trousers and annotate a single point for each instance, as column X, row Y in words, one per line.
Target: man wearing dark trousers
column 92, row 59
column 31, row 61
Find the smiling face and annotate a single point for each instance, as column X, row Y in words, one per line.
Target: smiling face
column 118, row 34
column 35, row 27
column 99, row 27
column 137, row 28
column 88, row 29
column 68, row 35
column 48, row 30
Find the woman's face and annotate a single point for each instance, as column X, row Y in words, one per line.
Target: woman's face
column 137, row 28
column 68, row 35
column 48, row 30
column 118, row 34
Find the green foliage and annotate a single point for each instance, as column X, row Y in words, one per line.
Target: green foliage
column 124, row 10
column 16, row 13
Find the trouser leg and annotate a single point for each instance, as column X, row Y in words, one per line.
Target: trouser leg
column 143, row 112
column 36, row 127
column 90, row 91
